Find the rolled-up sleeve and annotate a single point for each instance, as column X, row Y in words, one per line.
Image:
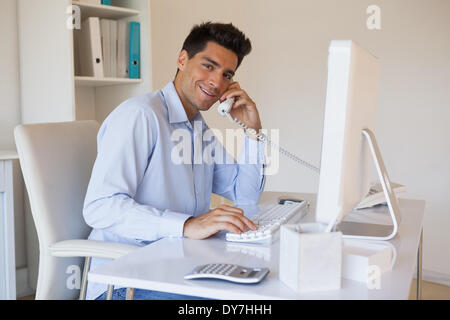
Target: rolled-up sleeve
column 241, row 182
column 125, row 144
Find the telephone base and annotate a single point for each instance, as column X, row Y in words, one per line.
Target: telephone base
column 376, row 195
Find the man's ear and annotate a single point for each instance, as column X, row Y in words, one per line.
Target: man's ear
column 183, row 57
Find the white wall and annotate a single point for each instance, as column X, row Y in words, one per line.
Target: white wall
column 10, row 116
column 45, row 49
column 286, row 75
column 10, row 108
column 9, row 75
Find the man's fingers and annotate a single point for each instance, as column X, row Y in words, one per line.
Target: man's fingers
column 244, row 222
column 243, row 103
column 234, row 220
column 228, row 227
column 237, row 93
column 231, row 87
column 230, row 208
column 250, row 223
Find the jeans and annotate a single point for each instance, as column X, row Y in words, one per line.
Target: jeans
column 141, row 294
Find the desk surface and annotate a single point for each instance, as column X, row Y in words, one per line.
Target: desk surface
column 161, row 265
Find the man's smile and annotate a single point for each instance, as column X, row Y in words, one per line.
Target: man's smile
column 207, row 92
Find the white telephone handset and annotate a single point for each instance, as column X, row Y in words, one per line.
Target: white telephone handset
column 224, row 110
column 225, row 107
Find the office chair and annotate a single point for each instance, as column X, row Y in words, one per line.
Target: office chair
column 56, row 161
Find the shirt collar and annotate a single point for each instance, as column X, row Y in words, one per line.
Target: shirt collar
column 175, row 108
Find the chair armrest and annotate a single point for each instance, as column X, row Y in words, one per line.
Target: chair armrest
column 90, row 248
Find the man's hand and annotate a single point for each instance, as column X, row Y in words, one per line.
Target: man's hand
column 244, row 109
column 222, row 218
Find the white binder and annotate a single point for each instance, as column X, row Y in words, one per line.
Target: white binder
column 113, row 44
column 105, row 31
column 123, row 39
column 90, row 48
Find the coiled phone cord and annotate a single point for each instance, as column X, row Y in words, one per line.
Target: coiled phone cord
column 262, row 137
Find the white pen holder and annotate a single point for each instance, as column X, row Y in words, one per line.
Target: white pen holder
column 310, row 259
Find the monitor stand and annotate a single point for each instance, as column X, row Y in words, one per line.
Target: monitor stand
column 369, row 231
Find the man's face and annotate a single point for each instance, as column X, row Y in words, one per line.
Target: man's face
column 206, row 76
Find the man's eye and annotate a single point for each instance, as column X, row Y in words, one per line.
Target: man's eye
column 228, row 76
column 208, row 66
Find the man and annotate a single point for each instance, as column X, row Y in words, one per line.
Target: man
column 137, row 193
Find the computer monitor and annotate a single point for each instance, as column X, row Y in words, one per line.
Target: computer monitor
column 347, row 148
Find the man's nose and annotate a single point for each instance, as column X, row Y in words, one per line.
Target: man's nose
column 215, row 82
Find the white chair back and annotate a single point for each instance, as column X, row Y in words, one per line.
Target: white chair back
column 56, row 161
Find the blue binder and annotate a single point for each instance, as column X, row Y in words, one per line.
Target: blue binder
column 106, row 2
column 135, row 50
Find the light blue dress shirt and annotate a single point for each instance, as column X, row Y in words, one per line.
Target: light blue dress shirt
column 138, row 193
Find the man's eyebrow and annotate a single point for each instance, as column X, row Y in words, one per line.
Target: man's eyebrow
column 218, row 65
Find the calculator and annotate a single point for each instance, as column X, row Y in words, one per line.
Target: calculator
column 228, row 272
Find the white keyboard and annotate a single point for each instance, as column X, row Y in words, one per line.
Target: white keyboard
column 269, row 222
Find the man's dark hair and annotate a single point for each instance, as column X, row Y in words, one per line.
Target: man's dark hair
column 226, row 35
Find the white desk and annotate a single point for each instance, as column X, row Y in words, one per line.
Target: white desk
column 7, row 247
column 161, row 265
